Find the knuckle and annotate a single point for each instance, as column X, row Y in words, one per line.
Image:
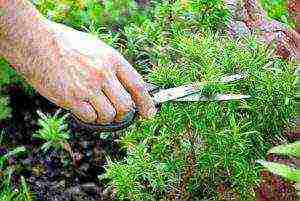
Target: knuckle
column 107, row 116
column 122, row 116
column 124, row 109
column 126, row 104
column 84, row 112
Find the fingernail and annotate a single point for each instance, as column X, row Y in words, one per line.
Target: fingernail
column 128, row 117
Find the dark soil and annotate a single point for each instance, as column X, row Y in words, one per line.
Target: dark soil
column 73, row 175
column 56, row 175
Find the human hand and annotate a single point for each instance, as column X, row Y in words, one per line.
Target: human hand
column 81, row 73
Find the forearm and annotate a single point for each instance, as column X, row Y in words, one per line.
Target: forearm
column 23, row 35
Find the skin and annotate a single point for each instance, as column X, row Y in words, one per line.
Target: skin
column 72, row 69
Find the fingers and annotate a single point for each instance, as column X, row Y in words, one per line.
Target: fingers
column 133, row 83
column 105, row 111
column 119, row 98
column 84, row 111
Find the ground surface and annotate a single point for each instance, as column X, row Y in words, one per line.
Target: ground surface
column 53, row 175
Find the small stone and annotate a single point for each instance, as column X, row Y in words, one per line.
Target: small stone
column 77, row 157
column 75, row 190
column 61, row 184
column 84, row 167
column 89, row 187
column 85, row 144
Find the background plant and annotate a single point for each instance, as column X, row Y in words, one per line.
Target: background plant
column 83, row 13
column 151, row 41
column 292, row 150
column 278, row 10
column 8, row 192
column 9, row 77
column 5, row 110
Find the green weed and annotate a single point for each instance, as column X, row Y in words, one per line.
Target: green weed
column 83, row 13
column 53, row 130
column 7, row 191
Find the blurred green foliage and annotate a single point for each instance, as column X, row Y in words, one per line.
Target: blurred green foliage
column 288, row 172
column 9, row 77
column 84, row 13
column 278, row 10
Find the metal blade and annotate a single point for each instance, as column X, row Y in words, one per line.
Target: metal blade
column 177, row 92
column 186, row 90
column 220, row 97
column 232, row 78
column 151, row 88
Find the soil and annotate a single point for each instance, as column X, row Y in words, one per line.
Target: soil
column 56, row 175
column 73, row 175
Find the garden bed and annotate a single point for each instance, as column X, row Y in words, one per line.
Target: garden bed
column 49, row 178
column 194, row 151
column 54, row 175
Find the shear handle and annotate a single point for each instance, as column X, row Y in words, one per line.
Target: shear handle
column 115, row 126
column 112, row 127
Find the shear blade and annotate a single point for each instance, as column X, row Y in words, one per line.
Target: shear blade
column 177, row 93
column 220, row 97
column 232, row 78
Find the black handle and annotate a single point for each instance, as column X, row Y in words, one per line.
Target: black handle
column 112, row 127
column 115, row 126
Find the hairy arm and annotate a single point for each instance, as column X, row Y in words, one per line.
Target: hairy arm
column 23, row 35
column 72, row 69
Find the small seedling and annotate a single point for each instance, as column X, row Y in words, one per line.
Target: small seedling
column 53, row 130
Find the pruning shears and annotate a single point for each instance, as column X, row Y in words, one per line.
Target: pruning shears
column 187, row 93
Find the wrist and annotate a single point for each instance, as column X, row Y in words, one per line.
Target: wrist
column 22, row 34
column 17, row 16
